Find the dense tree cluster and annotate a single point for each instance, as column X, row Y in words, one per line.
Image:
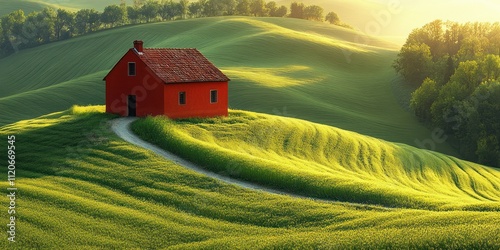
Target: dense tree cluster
column 458, row 69
column 18, row 31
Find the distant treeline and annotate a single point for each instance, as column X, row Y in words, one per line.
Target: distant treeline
column 18, row 31
column 457, row 69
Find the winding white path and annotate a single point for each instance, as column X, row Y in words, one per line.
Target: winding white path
column 121, row 127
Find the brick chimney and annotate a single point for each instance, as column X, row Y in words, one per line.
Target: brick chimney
column 138, row 45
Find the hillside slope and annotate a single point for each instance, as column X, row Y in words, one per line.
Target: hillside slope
column 280, row 66
column 82, row 187
column 326, row 162
column 27, row 6
column 87, row 4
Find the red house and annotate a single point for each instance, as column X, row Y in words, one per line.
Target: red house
column 178, row 83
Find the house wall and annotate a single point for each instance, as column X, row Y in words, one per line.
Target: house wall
column 145, row 85
column 197, row 100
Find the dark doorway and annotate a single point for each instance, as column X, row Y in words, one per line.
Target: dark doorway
column 132, row 105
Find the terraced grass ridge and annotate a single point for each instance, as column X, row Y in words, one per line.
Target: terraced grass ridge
column 326, row 162
column 289, row 67
column 80, row 186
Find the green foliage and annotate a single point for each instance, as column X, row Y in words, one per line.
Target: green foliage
column 64, row 24
column 423, row 98
column 150, row 10
column 87, row 20
column 243, row 7
column 490, row 67
column 332, row 18
column 414, row 62
column 273, row 9
column 461, row 60
column 448, row 41
column 325, row 162
column 258, row 8
column 297, row 10
column 113, row 15
column 314, row 13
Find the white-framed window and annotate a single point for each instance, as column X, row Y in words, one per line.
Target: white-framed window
column 131, row 69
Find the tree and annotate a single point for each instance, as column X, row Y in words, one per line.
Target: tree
column 64, row 24
column 94, row 20
column 423, row 98
column 332, row 18
column 230, row 7
column 467, row 74
column 281, row 11
column 44, row 23
column 447, row 111
column 490, row 67
column 12, row 26
column 168, row 10
column 314, row 13
column 258, row 8
column 297, row 10
column 184, row 8
column 414, row 62
column 488, row 150
column 133, row 14
column 214, row 8
column 472, row 48
column 272, row 7
column 150, row 10
column 485, row 123
column 243, row 8
column 113, row 15
column 196, row 8
column 87, row 20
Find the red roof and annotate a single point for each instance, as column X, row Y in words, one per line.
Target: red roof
column 181, row 65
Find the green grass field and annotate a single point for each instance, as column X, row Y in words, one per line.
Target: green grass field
column 82, row 187
column 27, row 6
column 281, row 66
column 326, row 162
column 87, row 4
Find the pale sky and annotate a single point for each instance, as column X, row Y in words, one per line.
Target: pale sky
column 374, row 18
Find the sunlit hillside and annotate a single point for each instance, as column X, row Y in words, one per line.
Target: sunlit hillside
column 282, row 66
column 87, row 4
column 27, row 6
column 100, row 192
column 326, row 162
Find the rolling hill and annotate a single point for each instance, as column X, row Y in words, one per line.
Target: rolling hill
column 326, row 162
column 290, row 67
column 80, row 186
column 27, row 6
column 88, row 4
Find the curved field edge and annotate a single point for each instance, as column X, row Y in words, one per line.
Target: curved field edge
column 325, row 162
column 80, row 186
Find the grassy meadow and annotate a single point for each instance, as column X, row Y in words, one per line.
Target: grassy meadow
column 326, row 162
column 80, row 186
column 309, row 70
column 27, row 6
